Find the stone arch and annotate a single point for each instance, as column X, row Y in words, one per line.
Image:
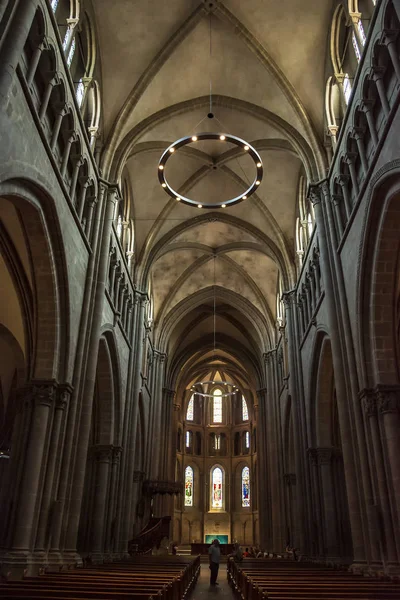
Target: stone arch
column 378, row 288
column 48, row 266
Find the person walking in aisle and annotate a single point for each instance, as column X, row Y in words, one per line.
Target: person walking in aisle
column 214, row 554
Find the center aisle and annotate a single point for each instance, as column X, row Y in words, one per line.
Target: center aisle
column 203, row 589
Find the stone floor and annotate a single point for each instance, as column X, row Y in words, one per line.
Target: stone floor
column 203, row 589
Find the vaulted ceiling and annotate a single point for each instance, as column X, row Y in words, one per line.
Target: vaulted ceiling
column 266, row 67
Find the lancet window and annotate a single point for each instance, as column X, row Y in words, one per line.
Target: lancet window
column 189, row 480
column 217, row 406
column 245, row 412
column 217, row 488
column 190, row 410
column 246, row 487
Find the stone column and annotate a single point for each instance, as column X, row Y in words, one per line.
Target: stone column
column 71, row 427
column 371, row 401
column 111, row 513
column 88, row 388
column 263, row 478
column 324, row 461
column 103, row 456
column 61, row 407
column 360, row 543
column 127, row 496
column 13, row 45
column 296, row 394
column 39, row 401
column 317, row 542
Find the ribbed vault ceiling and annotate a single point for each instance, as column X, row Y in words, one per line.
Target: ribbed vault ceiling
column 267, row 72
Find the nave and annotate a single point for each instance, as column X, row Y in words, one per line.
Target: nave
column 188, row 578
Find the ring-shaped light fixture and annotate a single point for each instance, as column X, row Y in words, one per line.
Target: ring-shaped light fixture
column 199, row 137
column 228, row 386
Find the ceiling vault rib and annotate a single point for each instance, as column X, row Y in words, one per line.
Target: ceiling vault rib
column 147, row 77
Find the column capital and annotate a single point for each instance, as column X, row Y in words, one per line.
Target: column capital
column 64, row 393
column 38, row 392
column 368, row 401
column 321, row 455
column 388, row 397
column 103, row 452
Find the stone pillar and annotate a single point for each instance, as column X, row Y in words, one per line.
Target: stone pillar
column 360, row 544
column 13, row 45
column 127, row 495
column 111, row 520
column 302, row 504
column 39, row 400
column 371, row 400
column 55, row 447
column 64, row 483
column 103, row 456
column 88, row 388
column 263, row 477
column 324, row 462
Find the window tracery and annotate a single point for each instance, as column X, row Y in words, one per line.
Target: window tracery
column 216, row 488
column 71, row 53
column 188, row 439
column 189, row 480
column 190, row 409
column 80, row 92
column 355, row 46
column 217, row 406
column 245, row 412
column 247, row 440
column 246, row 487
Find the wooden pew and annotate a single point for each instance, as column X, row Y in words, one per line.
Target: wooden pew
column 139, row 578
column 258, row 579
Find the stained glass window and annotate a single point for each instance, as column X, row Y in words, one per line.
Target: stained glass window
column 355, row 46
column 247, row 439
column 71, row 53
column 245, row 412
column 361, row 32
column 188, row 439
column 218, row 442
column 80, row 92
column 190, row 410
column 346, row 88
column 217, row 406
column 217, row 499
column 189, row 486
column 66, row 38
column 246, row 487
column 54, row 5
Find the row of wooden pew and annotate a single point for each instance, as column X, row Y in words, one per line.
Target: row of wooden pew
column 139, row 578
column 262, row 579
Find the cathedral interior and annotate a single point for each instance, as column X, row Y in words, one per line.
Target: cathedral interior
column 212, row 344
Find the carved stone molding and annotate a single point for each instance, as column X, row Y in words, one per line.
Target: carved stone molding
column 388, row 398
column 380, row 400
column 368, row 402
column 64, row 393
column 103, row 452
column 37, row 392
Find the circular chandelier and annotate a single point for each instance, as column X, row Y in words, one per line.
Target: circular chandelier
column 223, row 137
column 231, row 387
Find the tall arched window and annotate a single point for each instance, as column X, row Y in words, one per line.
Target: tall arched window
column 54, row 4
column 246, row 487
column 189, row 480
column 190, row 410
column 245, row 412
column 217, row 406
column 188, row 439
column 217, row 498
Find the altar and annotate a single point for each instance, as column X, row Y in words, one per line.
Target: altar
column 203, row 548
